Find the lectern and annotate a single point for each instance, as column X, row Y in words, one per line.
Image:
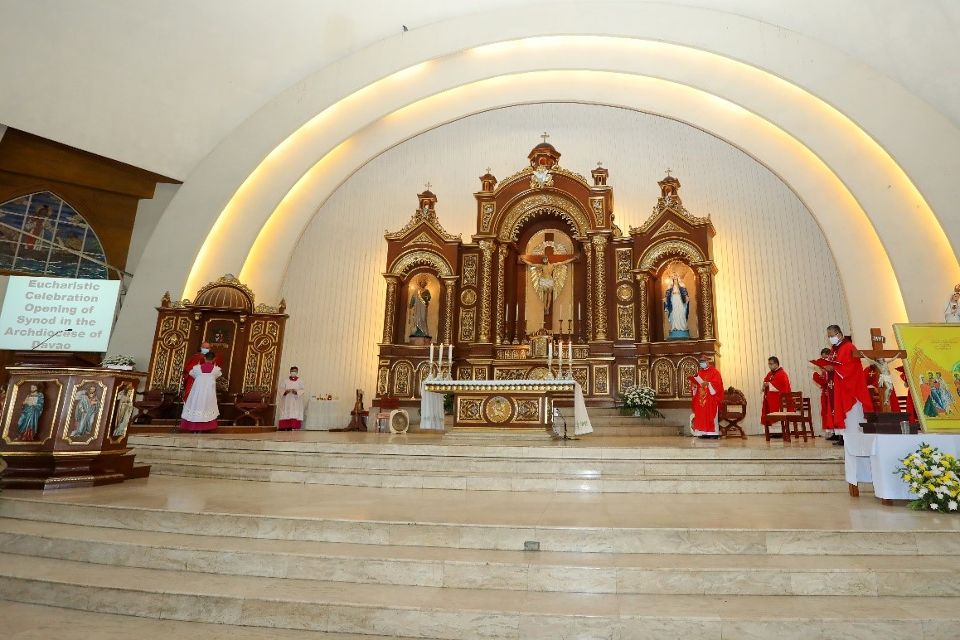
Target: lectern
column 67, row 427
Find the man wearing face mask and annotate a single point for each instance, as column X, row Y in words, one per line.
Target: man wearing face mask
column 850, row 395
column 195, row 360
column 707, row 390
column 291, row 402
column 775, row 385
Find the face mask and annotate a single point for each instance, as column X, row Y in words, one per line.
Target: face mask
column 834, row 340
column 204, row 350
column 703, row 365
column 293, row 374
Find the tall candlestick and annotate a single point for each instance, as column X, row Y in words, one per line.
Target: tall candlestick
column 516, row 312
column 431, row 353
column 450, row 354
column 550, row 359
column 440, row 357
column 570, row 352
column 579, row 315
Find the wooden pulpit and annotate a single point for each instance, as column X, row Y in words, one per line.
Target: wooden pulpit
column 67, row 427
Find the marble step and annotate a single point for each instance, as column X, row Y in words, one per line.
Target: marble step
column 445, row 446
column 451, row 613
column 489, row 569
column 583, row 467
column 38, row 622
column 478, row 481
column 572, row 532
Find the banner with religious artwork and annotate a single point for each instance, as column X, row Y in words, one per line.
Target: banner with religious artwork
column 933, row 372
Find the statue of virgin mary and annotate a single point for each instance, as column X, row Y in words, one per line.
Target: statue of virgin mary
column 677, row 305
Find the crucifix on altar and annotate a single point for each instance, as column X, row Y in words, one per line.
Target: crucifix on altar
column 548, row 275
column 881, row 359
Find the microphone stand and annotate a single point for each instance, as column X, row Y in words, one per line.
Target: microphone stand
column 49, row 337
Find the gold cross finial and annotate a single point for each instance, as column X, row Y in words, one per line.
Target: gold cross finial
column 599, row 164
column 428, row 185
column 545, row 135
column 488, row 169
column 669, row 170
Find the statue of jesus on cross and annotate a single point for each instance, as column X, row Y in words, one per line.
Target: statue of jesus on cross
column 548, row 272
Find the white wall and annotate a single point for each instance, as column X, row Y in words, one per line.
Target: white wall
column 149, row 213
column 777, row 288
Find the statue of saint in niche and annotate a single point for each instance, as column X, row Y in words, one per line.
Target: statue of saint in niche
column 676, row 302
column 419, row 304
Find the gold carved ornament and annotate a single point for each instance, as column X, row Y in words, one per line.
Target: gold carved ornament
column 402, row 372
column 597, row 205
column 515, row 215
column 669, row 248
column 685, row 368
column 625, row 322
column 600, row 242
column 626, row 377
column 501, row 264
column 624, row 264
column 663, row 376
column 410, row 259
column 390, row 310
column 601, row 379
column 468, row 321
column 487, row 247
column 581, row 374
column 624, row 292
column 427, row 216
column 706, row 295
column 498, row 409
column 673, row 204
column 528, row 411
column 644, row 280
column 449, row 284
column 468, row 297
column 382, row 380
column 470, row 270
column 588, row 250
column 487, row 210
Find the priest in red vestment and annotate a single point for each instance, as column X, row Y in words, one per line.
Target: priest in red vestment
column 850, row 395
column 824, row 380
column 707, row 390
column 775, row 384
column 198, row 358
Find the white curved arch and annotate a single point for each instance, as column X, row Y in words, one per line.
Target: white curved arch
column 920, row 144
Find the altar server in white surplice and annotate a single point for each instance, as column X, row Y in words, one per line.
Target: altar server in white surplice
column 291, row 402
column 200, row 410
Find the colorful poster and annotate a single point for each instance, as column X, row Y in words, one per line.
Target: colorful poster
column 933, row 372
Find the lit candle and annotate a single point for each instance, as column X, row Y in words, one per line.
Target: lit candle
column 506, row 314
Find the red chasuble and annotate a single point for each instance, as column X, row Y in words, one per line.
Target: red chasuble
column 775, row 383
column 825, row 382
column 706, row 399
column 849, row 383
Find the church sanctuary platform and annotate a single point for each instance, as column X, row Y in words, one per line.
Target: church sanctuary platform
column 499, row 461
column 206, row 558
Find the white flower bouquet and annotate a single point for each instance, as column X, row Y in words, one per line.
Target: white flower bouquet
column 119, row 362
column 640, row 401
column 933, row 478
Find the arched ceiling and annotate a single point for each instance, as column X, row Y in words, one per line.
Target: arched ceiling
column 878, row 163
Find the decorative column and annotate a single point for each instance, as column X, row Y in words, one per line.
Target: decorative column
column 450, row 286
column 390, row 311
column 501, row 263
column 588, row 250
column 643, row 282
column 487, row 247
column 600, row 245
column 704, row 275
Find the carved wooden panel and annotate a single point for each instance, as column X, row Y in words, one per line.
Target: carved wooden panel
column 383, row 376
column 626, row 377
column 505, row 373
column 260, row 372
column 464, row 373
column 402, row 379
column 169, row 353
column 664, row 376
column 625, row 322
column 468, row 324
column 528, row 411
column 601, row 379
column 479, row 373
column 685, row 368
column 582, row 375
column 624, row 264
column 643, row 371
column 470, row 265
column 468, row 410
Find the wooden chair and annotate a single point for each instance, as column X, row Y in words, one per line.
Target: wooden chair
column 733, row 409
column 791, row 410
column 387, row 405
column 151, row 403
column 252, row 405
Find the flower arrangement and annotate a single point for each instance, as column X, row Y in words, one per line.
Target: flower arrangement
column 640, row 401
column 933, row 478
column 119, row 362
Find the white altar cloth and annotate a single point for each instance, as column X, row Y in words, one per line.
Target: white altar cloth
column 323, row 415
column 431, row 402
column 884, row 453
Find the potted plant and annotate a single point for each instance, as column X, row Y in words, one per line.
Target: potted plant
column 934, row 477
column 125, row 363
column 640, row 402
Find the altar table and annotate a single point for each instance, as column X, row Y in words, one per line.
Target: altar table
column 323, row 415
column 871, row 457
column 503, row 404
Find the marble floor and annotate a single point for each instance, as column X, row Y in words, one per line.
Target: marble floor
column 214, row 557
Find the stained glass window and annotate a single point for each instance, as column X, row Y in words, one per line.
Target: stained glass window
column 41, row 234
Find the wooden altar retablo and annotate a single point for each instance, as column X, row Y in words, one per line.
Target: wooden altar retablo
column 548, row 263
column 67, row 427
column 247, row 338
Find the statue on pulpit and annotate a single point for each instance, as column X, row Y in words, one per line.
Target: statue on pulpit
column 548, row 274
column 676, row 303
column 419, row 304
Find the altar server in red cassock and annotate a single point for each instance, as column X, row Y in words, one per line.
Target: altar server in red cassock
column 707, row 390
column 824, row 380
column 775, row 384
column 850, row 395
column 197, row 359
column 910, row 409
